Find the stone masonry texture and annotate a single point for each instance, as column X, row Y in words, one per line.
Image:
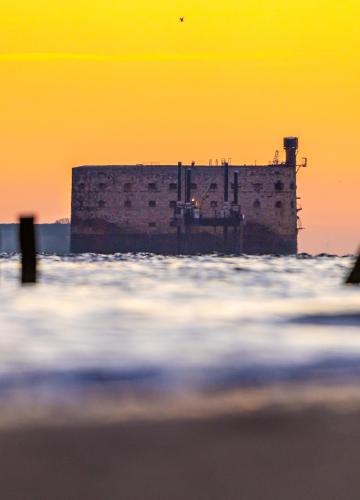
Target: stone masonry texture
column 130, row 208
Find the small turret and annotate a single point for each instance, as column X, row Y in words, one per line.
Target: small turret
column 291, row 147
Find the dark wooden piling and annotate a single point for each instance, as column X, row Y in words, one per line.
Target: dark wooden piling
column 27, row 249
column 354, row 276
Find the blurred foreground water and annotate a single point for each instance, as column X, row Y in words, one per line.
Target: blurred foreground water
column 176, row 323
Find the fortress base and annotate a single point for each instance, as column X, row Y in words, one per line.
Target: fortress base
column 256, row 240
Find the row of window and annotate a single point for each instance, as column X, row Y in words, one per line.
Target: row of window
column 152, row 204
column 152, row 186
column 213, row 204
column 128, row 203
column 278, row 204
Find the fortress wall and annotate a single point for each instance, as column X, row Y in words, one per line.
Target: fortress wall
column 104, row 194
column 114, row 200
column 256, row 184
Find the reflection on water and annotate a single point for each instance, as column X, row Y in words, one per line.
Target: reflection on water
column 177, row 321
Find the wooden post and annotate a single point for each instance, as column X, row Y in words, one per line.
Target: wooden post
column 27, row 249
column 354, row 276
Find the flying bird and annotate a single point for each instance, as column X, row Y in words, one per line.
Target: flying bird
column 182, row 19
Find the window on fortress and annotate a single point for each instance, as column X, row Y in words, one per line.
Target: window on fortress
column 152, row 224
column 152, row 186
column 213, row 186
column 278, row 204
column 152, row 203
column 81, row 186
column 102, row 185
column 172, row 186
column 101, row 203
column 279, row 186
column 213, row 204
column 257, row 204
column 127, row 187
column 258, row 186
column 193, row 186
column 127, row 204
column 292, row 186
column 172, row 204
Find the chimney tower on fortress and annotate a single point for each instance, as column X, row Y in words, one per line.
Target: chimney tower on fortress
column 291, row 147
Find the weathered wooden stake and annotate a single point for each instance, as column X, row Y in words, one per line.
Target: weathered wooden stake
column 27, row 249
column 354, row 276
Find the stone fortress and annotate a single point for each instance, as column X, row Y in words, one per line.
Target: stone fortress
column 191, row 209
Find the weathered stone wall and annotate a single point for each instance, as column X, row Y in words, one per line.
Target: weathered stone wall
column 121, row 207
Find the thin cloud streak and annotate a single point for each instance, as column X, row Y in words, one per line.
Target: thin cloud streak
column 199, row 56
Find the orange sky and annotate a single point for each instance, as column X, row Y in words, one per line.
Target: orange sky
column 100, row 82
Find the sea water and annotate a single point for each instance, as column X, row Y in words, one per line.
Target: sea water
column 170, row 323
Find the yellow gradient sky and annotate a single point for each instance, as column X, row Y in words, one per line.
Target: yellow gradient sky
column 102, row 81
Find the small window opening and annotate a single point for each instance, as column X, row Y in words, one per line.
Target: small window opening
column 258, row 186
column 152, row 186
column 127, row 203
column 127, row 187
column 213, row 204
column 152, row 203
column 172, row 186
column 101, row 203
column 172, row 204
column 193, row 186
column 279, row 186
column 213, row 186
column 152, row 224
column 102, row 185
column 257, row 204
column 278, row 204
